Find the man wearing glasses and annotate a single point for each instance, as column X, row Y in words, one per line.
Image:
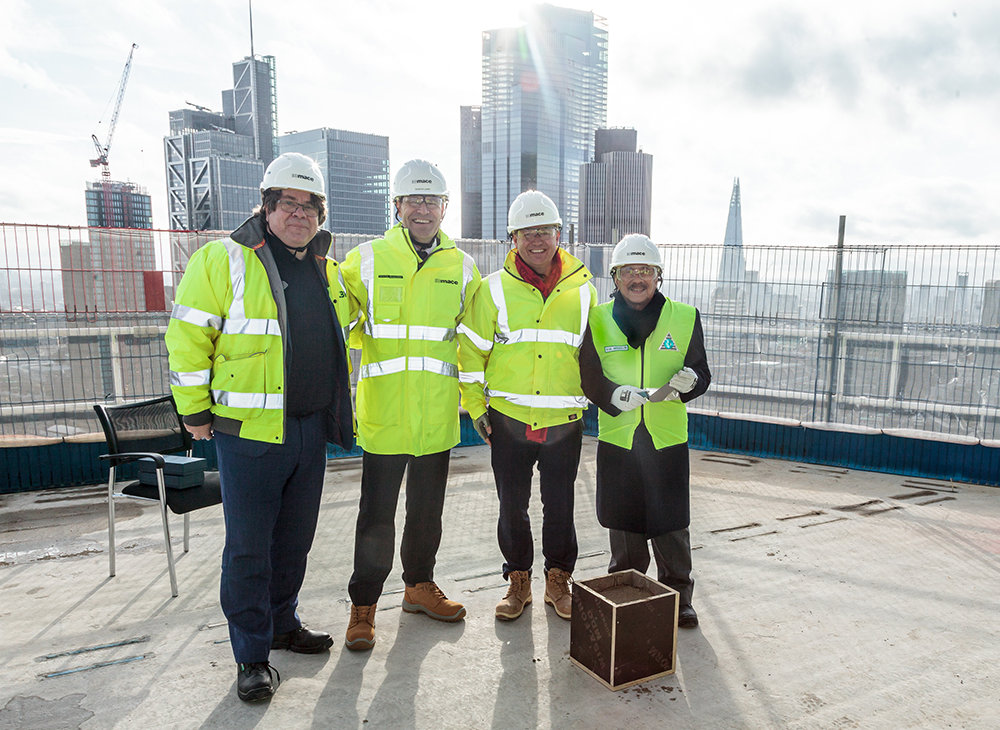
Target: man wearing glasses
column 642, row 360
column 408, row 290
column 519, row 348
column 258, row 360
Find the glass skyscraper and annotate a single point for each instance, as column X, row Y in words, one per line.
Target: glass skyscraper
column 545, row 91
column 355, row 167
column 215, row 161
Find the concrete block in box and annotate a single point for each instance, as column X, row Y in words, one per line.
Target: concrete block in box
column 624, row 628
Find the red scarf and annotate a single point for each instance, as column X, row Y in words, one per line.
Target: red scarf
column 544, row 284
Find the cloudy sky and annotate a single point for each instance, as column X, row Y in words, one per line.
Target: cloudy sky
column 886, row 112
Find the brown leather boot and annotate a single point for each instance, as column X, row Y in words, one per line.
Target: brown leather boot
column 361, row 628
column 518, row 595
column 428, row 598
column 557, row 592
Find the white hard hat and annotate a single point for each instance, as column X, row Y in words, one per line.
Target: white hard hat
column 532, row 208
column 635, row 248
column 419, row 177
column 292, row 170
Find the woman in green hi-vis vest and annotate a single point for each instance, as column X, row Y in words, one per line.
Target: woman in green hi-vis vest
column 642, row 359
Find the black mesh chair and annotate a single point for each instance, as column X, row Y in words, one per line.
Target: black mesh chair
column 148, row 430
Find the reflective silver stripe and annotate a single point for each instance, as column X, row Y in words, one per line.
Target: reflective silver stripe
column 584, row 312
column 484, row 345
column 237, row 278
column 196, row 317
column 432, row 334
column 386, row 331
column 540, row 401
column 557, row 337
column 402, row 364
column 468, row 273
column 500, row 302
column 267, row 401
column 252, row 327
column 366, row 271
column 198, row 377
column 415, row 332
column 472, row 377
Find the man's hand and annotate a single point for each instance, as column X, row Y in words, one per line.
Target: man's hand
column 684, row 380
column 200, row 433
column 483, row 428
column 628, row 397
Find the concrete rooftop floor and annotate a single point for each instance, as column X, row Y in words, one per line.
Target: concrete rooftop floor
column 828, row 598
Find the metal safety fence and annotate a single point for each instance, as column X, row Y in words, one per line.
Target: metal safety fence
column 865, row 336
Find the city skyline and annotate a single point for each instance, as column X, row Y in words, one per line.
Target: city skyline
column 883, row 113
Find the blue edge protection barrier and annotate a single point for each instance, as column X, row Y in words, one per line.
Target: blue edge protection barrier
column 72, row 463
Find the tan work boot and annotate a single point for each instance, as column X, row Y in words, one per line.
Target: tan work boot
column 361, row 628
column 518, row 595
column 428, row 598
column 557, row 593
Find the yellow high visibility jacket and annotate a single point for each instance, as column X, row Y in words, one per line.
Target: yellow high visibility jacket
column 407, row 313
column 225, row 336
column 523, row 352
column 661, row 356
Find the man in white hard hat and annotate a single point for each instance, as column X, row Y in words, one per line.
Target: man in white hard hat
column 258, row 360
column 519, row 350
column 642, row 360
column 409, row 290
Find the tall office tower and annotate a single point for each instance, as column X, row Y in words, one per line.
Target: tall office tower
column 472, row 171
column 616, row 189
column 355, row 167
column 214, row 161
column 545, row 92
column 730, row 295
column 123, row 205
column 252, row 103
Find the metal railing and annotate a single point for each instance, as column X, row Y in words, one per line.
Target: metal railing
column 883, row 336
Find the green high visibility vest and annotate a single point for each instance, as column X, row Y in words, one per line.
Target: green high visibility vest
column 409, row 309
column 661, row 356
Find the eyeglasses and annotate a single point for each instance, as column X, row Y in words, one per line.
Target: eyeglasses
column 431, row 201
column 540, row 232
column 290, row 206
column 640, row 272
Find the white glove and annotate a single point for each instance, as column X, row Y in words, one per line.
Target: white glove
column 684, row 380
column 628, row 397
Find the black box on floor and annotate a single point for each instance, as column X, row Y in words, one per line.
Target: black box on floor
column 179, row 472
column 624, row 628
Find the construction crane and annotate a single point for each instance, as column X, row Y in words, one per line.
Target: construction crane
column 102, row 151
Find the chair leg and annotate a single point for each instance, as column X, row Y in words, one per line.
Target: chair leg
column 166, row 535
column 187, row 531
column 111, row 524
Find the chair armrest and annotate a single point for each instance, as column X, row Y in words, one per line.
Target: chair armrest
column 126, row 457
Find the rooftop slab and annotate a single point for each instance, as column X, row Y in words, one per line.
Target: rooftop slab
column 828, row 598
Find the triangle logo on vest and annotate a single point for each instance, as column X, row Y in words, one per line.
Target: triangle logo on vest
column 668, row 343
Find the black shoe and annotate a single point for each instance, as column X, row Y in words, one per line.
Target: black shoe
column 303, row 641
column 686, row 617
column 254, row 681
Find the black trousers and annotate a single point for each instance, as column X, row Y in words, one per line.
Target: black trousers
column 514, row 458
column 672, row 551
column 375, row 535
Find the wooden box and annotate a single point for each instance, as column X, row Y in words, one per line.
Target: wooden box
column 624, row 628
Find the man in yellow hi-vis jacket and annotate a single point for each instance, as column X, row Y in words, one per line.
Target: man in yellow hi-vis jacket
column 519, row 348
column 258, row 360
column 409, row 291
